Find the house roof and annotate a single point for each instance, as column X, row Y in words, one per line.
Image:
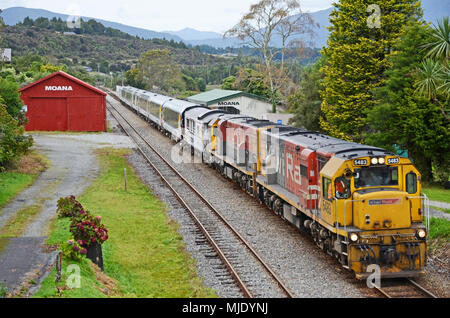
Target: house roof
column 70, row 77
column 217, row 95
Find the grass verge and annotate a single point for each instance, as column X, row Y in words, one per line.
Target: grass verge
column 439, row 228
column 439, row 235
column 436, row 193
column 144, row 255
column 21, row 175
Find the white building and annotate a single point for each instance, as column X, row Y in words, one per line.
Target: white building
column 5, row 55
column 239, row 102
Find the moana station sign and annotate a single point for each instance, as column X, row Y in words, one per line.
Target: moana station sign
column 58, row 88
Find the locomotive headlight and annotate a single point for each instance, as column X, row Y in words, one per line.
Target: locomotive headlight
column 381, row 161
column 421, row 233
column 353, row 237
column 374, row 161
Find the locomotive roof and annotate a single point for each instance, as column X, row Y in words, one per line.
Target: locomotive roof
column 252, row 122
column 325, row 145
column 322, row 144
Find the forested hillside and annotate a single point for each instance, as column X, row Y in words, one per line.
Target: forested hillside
column 95, row 46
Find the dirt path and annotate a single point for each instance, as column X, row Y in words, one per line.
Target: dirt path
column 72, row 169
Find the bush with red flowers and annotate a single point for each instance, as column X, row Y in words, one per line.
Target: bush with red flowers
column 88, row 229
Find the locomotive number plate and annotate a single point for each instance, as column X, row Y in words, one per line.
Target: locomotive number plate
column 393, row 160
column 360, row 162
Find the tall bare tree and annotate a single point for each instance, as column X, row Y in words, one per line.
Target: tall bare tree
column 260, row 27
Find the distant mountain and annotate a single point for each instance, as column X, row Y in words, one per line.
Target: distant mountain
column 13, row 15
column 433, row 10
column 189, row 34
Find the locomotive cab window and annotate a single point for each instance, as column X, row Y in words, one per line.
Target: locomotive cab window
column 376, row 176
column 342, row 186
column 327, row 191
column 411, row 182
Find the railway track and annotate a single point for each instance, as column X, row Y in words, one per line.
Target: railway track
column 251, row 273
column 403, row 288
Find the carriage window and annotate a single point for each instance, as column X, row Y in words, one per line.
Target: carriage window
column 411, row 182
column 327, row 192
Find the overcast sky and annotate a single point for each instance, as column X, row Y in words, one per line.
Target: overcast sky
column 159, row 15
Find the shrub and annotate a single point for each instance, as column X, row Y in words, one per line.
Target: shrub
column 13, row 143
column 88, row 230
column 69, row 207
column 73, row 250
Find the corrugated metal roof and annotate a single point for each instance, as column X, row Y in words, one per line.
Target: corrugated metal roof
column 216, row 95
column 213, row 95
column 70, row 77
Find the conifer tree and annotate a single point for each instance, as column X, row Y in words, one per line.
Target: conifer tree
column 362, row 36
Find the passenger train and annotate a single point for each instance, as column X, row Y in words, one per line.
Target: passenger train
column 361, row 204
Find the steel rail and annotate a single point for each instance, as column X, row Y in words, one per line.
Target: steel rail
column 409, row 282
column 245, row 290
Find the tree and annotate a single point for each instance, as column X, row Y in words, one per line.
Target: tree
column 13, row 143
column 261, row 24
column 10, row 97
column 229, row 82
column 250, row 81
column 50, row 68
column 403, row 117
column 434, row 72
column 361, row 40
column 158, row 69
column 305, row 103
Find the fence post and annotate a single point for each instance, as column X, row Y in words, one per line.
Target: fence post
column 125, row 177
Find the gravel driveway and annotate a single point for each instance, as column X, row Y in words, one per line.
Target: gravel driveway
column 73, row 166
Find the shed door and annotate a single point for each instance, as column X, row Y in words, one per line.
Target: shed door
column 86, row 114
column 47, row 114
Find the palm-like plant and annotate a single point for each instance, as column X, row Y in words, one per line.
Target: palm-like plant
column 434, row 73
column 439, row 47
column 430, row 78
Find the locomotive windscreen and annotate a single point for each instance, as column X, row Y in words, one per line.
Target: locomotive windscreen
column 376, row 176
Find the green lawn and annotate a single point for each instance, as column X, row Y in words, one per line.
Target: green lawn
column 23, row 173
column 12, row 183
column 144, row 255
column 439, row 228
column 436, row 193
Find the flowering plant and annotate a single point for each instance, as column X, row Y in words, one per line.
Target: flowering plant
column 69, row 207
column 88, row 230
column 74, row 250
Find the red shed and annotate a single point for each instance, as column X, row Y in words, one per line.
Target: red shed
column 61, row 102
